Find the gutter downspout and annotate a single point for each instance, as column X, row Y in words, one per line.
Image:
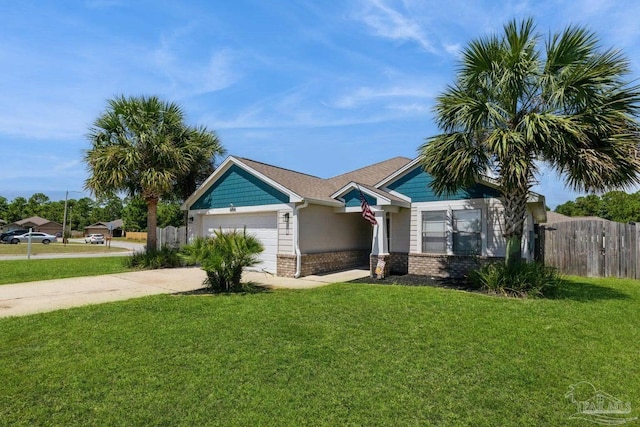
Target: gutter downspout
column 296, row 239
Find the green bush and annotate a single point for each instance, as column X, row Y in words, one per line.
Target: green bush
column 165, row 257
column 523, row 280
column 223, row 257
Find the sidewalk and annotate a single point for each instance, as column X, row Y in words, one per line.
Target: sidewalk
column 49, row 295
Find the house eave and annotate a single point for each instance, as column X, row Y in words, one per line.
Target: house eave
column 224, row 166
column 538, row 207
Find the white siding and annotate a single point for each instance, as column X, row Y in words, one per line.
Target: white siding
column 414, row 239
column 285, row 232
column 496, row 243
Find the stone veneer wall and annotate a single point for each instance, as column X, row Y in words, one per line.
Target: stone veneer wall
column 454, row 266
column 286, row 265
column 319, row 263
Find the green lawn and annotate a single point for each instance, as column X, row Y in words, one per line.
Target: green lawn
column 18, row 271
column 340, row 355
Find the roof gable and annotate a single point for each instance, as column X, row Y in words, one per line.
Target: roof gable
column 370, row 175
column 416, row 184
column 237, row 187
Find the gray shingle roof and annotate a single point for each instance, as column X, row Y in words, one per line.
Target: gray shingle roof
column 35, row 220
column 309, row 186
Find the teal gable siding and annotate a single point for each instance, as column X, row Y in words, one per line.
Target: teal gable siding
column 352, row 199
column 240, row 188
column 417, row 185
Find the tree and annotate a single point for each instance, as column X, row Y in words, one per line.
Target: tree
column 36, row 204
column 620, row 206
column 169, row 213
column 590, row 205
column 107, row 209
column 208, row 147
column 53, row 211
column 16, row 209
column 141, row 146
column 515, row 104
column 134, row 214
column 4, row 208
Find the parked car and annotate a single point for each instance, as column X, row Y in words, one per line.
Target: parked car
column 94, row 238
column 5, row 237
column 36, row 237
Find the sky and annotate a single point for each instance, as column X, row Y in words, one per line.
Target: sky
column 320, row 87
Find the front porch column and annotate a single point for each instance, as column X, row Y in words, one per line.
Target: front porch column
column 379, row 249
column 379, row 246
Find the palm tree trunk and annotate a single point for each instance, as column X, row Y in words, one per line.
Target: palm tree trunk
column 152, row 222
column 515, row 208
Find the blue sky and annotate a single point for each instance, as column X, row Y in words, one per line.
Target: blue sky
column 322, row 87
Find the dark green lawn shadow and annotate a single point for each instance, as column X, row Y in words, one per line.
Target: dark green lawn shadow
column 245, row 288
column 585, row 291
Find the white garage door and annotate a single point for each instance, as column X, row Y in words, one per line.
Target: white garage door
column 261, row 225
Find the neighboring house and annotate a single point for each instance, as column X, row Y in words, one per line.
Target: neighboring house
column 111, row 228
column 555, row 217
column 309, row 225
column 37, row 224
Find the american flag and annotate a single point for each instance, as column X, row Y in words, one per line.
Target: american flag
column 367, row 213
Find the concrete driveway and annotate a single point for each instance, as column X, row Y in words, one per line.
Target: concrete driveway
column 49, row 295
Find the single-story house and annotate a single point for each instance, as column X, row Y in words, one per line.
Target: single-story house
column 37, row 224
column 111, row 228
column 310, row 225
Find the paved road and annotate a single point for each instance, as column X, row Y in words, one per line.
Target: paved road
column 130, row 246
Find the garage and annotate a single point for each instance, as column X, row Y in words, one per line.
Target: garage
column 262, row 225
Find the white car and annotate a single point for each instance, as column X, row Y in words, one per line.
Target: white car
column 94, row 238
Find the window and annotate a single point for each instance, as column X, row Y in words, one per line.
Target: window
column 467, row 232
column 455, row 232
column 434, row 237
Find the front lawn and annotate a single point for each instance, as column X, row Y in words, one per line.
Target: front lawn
column 345, row 354
column 18, row 271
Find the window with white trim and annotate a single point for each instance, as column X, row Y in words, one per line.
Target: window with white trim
column 453, row 232
column 467, row 232
column 434, row 236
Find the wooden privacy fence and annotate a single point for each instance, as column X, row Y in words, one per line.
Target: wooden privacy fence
column 592, row 248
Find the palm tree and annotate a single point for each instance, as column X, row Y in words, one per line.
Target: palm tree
column 512, row 109
column 207, row 148
column 142, row 147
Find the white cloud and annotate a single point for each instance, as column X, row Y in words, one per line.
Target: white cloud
column 390, row 23
column 453, row 49
column 365, row 95
column 194, row 74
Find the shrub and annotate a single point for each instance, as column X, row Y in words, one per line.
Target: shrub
column 223, row 257
column 165, row 257
column 523, row 280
